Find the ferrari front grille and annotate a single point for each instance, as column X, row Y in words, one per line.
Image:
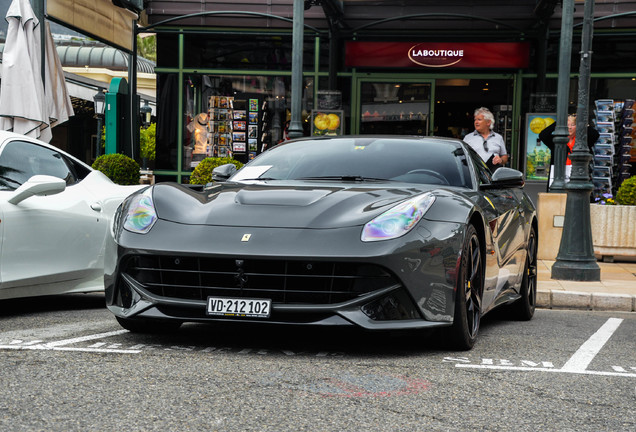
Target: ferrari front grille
column 282, row 281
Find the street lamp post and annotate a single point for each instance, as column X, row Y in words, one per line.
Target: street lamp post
column 295, row 124
column 99, row 101
column 563, row 89
column 576, row 260
column 146, row 114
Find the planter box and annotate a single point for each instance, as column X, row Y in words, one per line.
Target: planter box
column 613, row 230
column 551, row 211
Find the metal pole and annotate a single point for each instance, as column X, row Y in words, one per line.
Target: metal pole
column 333, row 59
column 98, row 145
column 133, row 102
column 576, row 260
column 295, row 124
column 39, row 11
column 563, row 94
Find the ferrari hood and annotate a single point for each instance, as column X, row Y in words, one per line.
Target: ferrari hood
column 281, row 205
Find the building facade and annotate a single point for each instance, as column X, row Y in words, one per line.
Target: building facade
column 224, row 71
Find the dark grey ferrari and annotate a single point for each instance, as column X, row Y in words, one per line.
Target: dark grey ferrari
column 379, row 232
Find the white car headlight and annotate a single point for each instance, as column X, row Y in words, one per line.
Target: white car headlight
column 399, row 220
column 141, row 214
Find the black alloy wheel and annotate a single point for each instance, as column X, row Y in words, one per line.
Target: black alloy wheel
column 470, row 284
column 523, row 309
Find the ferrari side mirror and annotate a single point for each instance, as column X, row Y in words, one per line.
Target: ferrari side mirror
column 40, row 185
column 506, row 177
column 223, row 172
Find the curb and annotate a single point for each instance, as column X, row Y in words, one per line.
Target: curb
column 557, row 299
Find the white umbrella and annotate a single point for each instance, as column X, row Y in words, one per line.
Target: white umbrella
column 27, row 105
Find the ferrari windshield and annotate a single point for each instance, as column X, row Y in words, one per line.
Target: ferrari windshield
column 411, row 160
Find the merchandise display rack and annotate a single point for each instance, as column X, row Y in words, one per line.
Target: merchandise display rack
column 612, row 151
column 237, row 126
column 220, row 126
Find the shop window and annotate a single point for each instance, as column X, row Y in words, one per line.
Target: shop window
column 243, row 52
column 613, row 54
column 167, row 118
column 341, row 100
column 168, row 55
column 236, row 116
column 610, row 53
column 395, row 108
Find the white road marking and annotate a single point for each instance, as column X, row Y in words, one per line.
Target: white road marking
column 60, row 345
column 532, row 369
column 56, row 331
column 84, row 338
column 45, row 348
column 577, row 364
column 586, row 353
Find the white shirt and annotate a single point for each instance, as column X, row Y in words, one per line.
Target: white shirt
column 494, row 142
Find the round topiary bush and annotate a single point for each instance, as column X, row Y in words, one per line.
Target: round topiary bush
column 626, row 194
column 202, row 174
column 120, row 168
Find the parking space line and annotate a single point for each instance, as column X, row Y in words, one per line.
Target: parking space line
column 56, row 330
column 586, row 353
column 62, row 345
column 84, row 338
column 533, row 369
column 577, row 364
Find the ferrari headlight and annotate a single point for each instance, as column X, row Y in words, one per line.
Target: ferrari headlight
column 399, row 220
column 141, row 214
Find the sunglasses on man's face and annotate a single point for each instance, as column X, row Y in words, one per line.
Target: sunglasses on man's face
column 486, row 145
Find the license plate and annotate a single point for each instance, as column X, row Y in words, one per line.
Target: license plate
column 239, row 307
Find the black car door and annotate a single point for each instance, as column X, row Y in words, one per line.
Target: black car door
column 503, row 209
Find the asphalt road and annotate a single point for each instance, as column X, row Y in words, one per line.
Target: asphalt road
column 66, row 365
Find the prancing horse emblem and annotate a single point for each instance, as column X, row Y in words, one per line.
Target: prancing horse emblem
column 246, row 237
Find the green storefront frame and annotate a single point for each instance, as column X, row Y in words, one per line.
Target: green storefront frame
column 357, row 79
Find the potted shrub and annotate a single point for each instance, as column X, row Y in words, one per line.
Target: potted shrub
column 147, row 144
column 202, row 174
column 120, row 168
column 613, row 222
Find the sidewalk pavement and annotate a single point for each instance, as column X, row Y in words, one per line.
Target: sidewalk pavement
column 616, row 291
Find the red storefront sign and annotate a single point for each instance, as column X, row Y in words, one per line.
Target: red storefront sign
column 474, row 55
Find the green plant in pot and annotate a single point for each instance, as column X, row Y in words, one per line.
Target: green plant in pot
column 626, row 194
column 120, row 168
column 202, row 174
column 147, row 140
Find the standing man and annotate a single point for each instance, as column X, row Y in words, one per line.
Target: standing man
column 488, row 144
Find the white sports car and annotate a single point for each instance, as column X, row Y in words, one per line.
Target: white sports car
column 54, row 216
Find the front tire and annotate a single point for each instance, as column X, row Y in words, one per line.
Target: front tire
column 470, row 283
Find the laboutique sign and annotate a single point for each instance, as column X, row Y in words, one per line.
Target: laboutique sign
column 475, row 55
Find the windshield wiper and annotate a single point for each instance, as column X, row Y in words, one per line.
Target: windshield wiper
column 343, row 178
column 257, row 178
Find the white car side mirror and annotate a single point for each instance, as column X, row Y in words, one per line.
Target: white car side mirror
column 39, row 185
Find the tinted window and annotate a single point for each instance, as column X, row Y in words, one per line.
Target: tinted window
column 424, row 161
column 19, row 161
